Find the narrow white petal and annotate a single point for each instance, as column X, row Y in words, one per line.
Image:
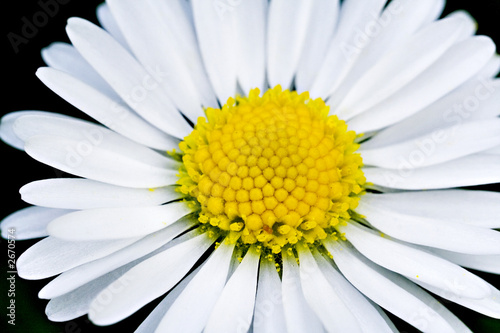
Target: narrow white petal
column 400, row 66
column 116, row 223
column 319, row 34
column 178, row 15
column 153, row 320
column 489, row 306
column 139, row 19
column 484, row 263
column 82, row 159
column 437, row 147
column 323, row 298
column 52, row 256
column 77, row 193
column 165, row 270
column 428, row 231
column 7, row 133
column 397, row 23
column 30, row 222
column 77, row 303
column 250, row 18
column 192, row 308
column 234, row 308
column 475, row 99
column 65, row 58
column 456, row 66
column 392, row 292
column 215, row 31
column 493, row 151
column 299, row 316
column 88, row 134
column 286, row 36
column 412, row 262
column 475, row 208
column 268, row 316
column 366, row 313
column 108, row 22
column 136, row 86
column 109, row 111
column 355, row 17
column 142, row 249
column 471, row 170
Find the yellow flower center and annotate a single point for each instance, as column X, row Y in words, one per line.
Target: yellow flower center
column 272, row 170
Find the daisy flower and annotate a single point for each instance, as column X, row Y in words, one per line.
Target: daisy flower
column 266, row 166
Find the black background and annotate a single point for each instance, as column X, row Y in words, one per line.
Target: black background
column 21, row 90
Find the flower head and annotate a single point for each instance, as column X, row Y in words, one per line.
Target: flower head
column 280, row 166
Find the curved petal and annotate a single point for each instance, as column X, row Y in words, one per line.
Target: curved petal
column 109, row 111
column 268, row 316
column 323, row 298
column 200, row 295
column 234, row 308
column 30, row 222
column 392, row 292
column 51, row 256
column 165, row 269
column 299, row 316
column 412, row 262
column 138, row 251
column 137, row 87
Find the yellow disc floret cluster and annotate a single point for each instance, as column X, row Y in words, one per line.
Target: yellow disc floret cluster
column 273, row 169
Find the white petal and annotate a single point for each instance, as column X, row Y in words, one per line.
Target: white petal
column 76, row 193
column 138, row 251
column 412, row 262
column 88, row 134
column 489, row 306
column 355, row 17
column 116, row 223
column 437, row 147
column 456, row 66
column 397, row 23
column 77, row 303
column 234, row 308
column 51, row 256
column 165, row 270
column 108, row 22
column 323, row 298
column 7, row 133
column 109, row 111
column 428, row 231
column 484, row 263
column 366, row 313
column 472, row 100
column 471, row 170
column 400, row 66
column 268, row 316
column 30, row 222
column 493, row 151
column 137, row 20
column 319, row 34
column 137, row 87
column 299, row 316
column 475, row 208
column 192, row 308
column 65, row 58
column 214, row 28
column 286, row 35
column 392, row 292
